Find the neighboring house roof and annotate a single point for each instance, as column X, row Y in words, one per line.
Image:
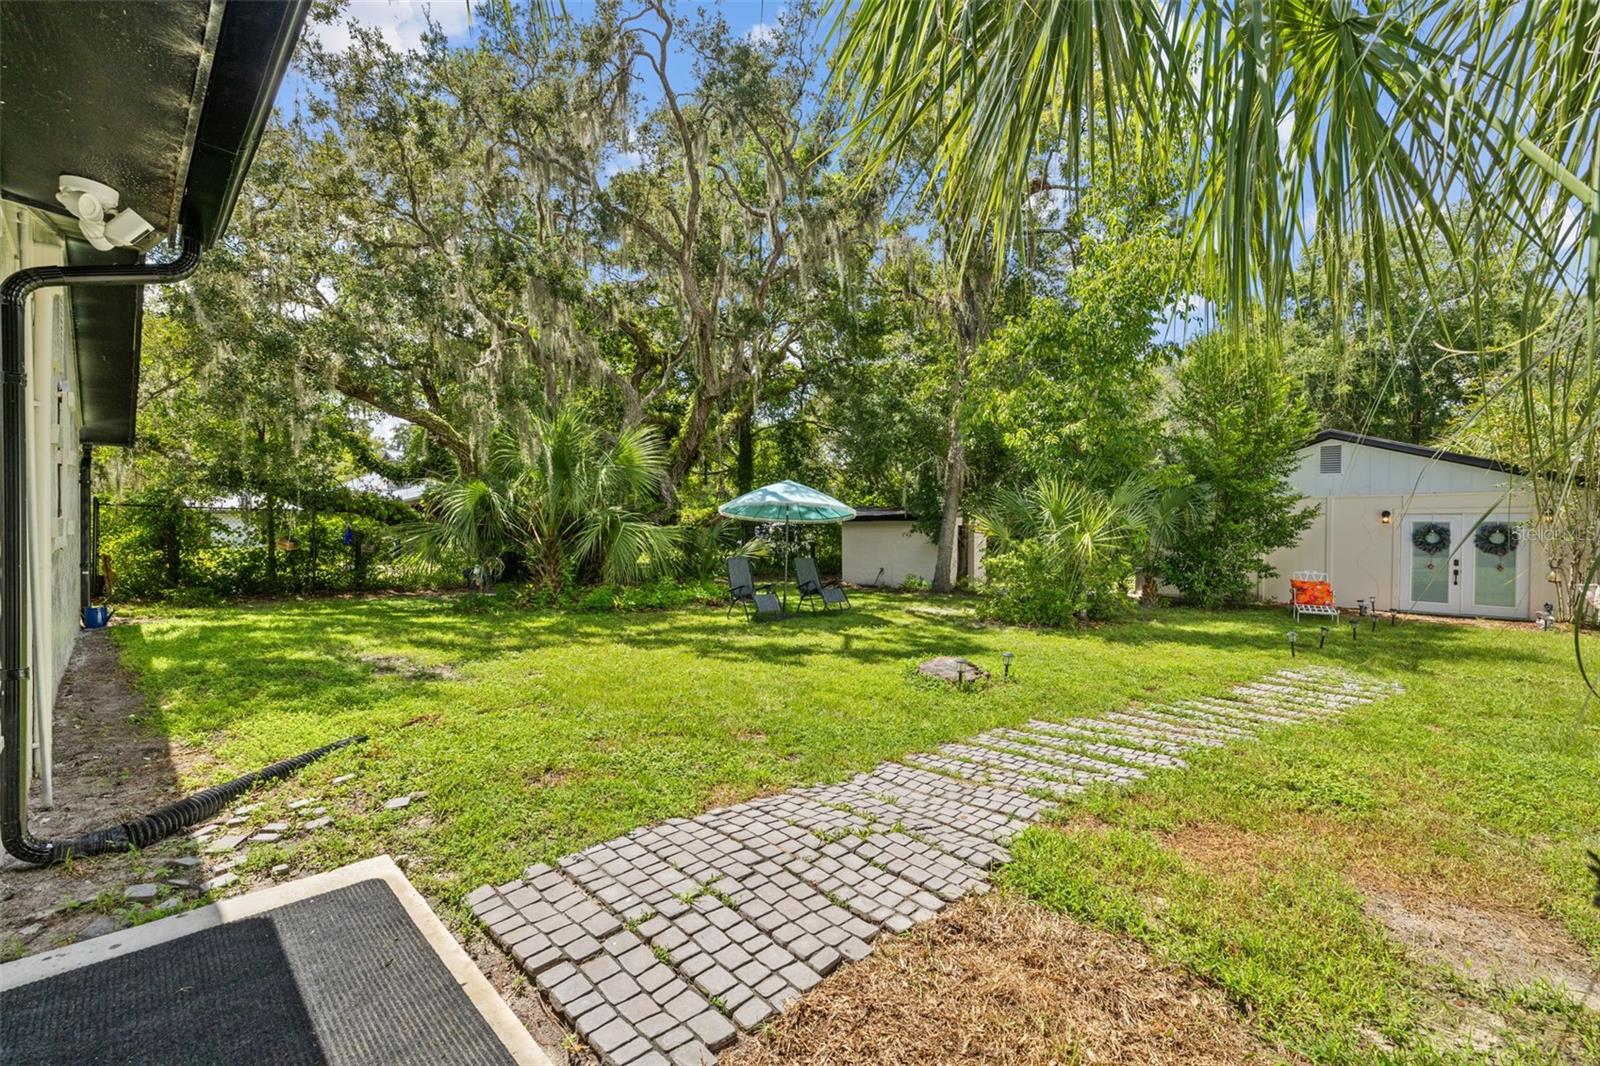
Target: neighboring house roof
column 382, row 486
column 1439, row 454
column 164, row 102
column 883, row 514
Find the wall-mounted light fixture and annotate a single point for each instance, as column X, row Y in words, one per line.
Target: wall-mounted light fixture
column 1386, row 517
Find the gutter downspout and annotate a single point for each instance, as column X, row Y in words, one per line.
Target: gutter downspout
column 85, row 574
column 14, row 834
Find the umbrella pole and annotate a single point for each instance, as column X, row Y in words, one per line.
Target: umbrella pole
column 786, row 511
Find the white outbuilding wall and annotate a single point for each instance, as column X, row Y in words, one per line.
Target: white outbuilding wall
column 1354, row 480
column 886, row 552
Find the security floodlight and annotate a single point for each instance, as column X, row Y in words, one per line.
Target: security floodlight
column 95, row 205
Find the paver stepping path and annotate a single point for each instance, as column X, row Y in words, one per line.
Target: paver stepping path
column 661, row 945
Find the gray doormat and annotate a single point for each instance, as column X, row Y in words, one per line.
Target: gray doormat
column 337, row 979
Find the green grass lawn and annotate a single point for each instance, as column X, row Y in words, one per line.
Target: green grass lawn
column 537, row 733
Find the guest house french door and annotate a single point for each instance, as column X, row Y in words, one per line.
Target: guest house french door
column 1455, row 564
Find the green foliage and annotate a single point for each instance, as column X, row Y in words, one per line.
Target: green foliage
column 163, row 549
column 657, row 595
column 1410, row 365
column 1062, row 551
column 564, row 501
column 1238, row 420
column 1069, row 385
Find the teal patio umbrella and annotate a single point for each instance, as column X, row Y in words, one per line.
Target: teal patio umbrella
column 787, row 503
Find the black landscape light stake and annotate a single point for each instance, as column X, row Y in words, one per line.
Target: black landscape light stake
column 1293, row 638
column 961, row 676
column 1355, row 624
column 1322, row 641
column 1007, row 657
column 1394, row 617
column 1361, row 608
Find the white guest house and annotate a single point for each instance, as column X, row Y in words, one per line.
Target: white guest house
column 1415, row 529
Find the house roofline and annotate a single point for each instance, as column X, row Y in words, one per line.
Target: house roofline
column 1440, row 454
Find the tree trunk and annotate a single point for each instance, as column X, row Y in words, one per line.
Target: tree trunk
column 272, row 544
column 969, row 326
column 955, row 472
column 172, row 543
column 687, row 451
column 311, row 553
column 745, row 469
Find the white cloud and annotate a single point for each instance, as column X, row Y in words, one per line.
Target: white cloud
column 401, row 22
column 621, row 162
column 762, row 33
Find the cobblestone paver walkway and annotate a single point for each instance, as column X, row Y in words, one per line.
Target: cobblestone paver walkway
column 659, row 946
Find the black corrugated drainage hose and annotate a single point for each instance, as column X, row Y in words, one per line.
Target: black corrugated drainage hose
column 14, row 293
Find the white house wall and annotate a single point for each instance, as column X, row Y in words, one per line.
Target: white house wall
column 53, row 434
column 1362, row 555
column 1370, row 471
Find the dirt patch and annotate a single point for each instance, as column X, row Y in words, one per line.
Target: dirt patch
column 526, row 1003
column 1495, row 947
column 106, row 771
column 1001, row 980
column 1494, row 943
column 409, row 669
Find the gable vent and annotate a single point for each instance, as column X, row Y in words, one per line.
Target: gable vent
column 1332, row 458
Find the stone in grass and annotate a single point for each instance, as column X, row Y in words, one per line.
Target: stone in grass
column 275, row 827
column 953, row 669
column 318, row 823
column 247, row 808
column 396, row 803
column 141, row 893
column 280, row 869
column 226, row 843
column 220, row 881
column 168, row 903
column 100, row 925
column 297, row 804
column 186, row 861
column 342, row 778
column 266, row 838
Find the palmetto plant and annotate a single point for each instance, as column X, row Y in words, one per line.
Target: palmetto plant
column 1059, row 545
column 563, row 498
